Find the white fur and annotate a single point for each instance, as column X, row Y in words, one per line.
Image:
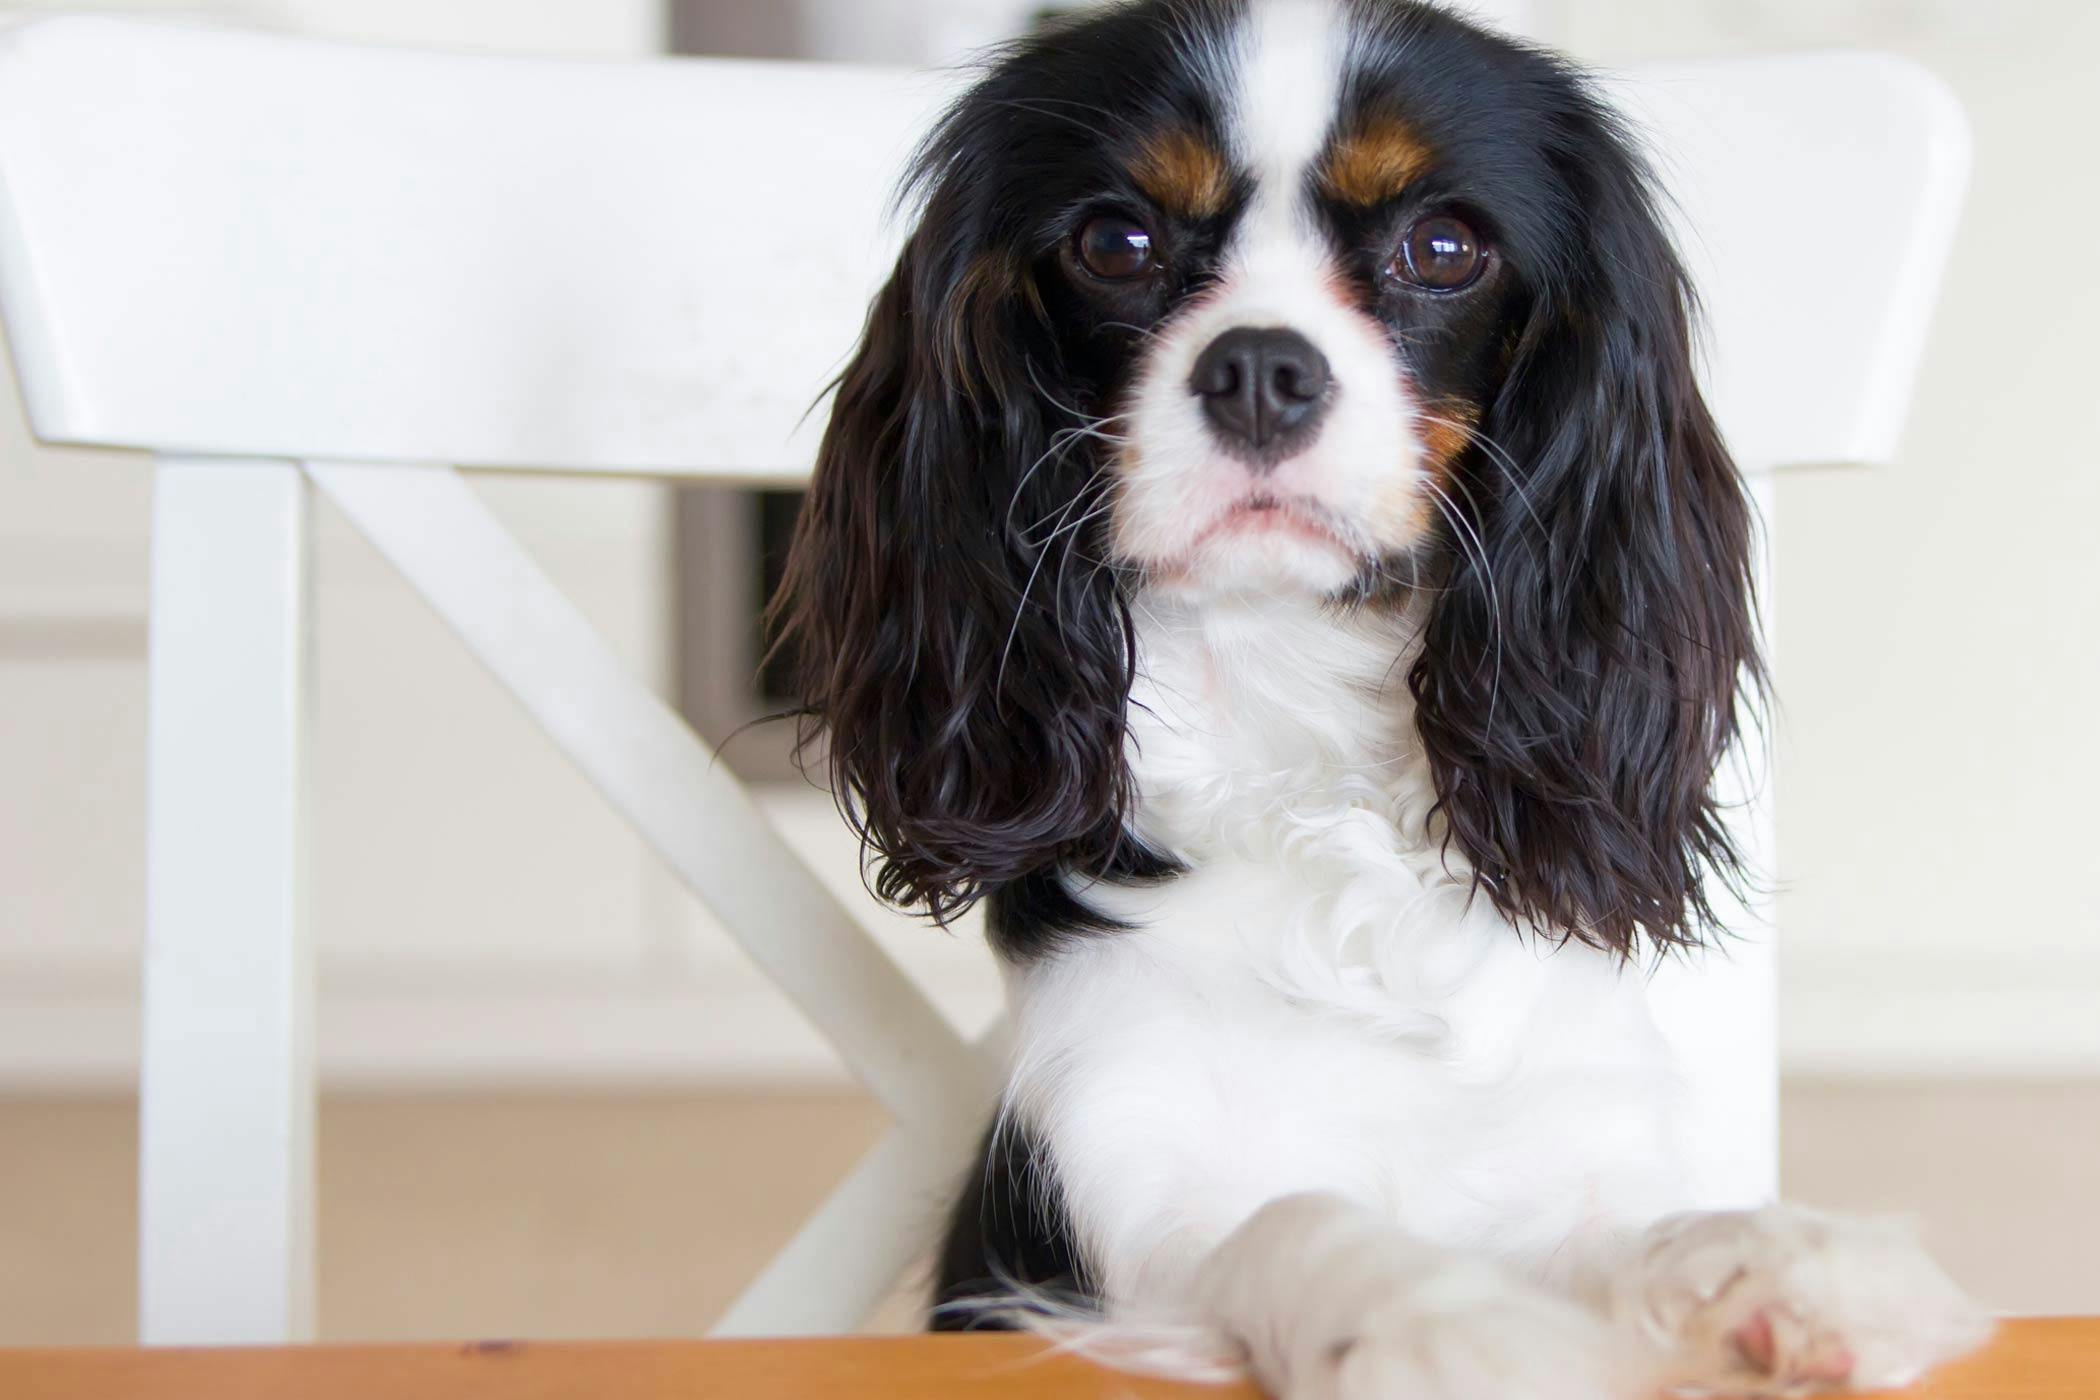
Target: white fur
column 1490, row 1122
column 1360, row 479
column 1317, row 1096
column 1334, row 1302
column 1317, row 1005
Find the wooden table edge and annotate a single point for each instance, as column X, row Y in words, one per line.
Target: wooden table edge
column 2030, row 1359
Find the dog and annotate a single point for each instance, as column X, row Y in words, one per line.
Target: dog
column 1269, row 549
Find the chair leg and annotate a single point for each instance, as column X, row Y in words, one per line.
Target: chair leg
column 1719, row 1008
column 226, row 1098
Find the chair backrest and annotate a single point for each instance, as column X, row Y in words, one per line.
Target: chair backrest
column 230, row 242
column 1817, row 200
column 224, row 242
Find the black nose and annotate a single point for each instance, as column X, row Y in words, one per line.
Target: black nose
column 1263, row 389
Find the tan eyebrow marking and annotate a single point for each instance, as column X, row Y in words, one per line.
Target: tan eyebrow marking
column 1183, row 173
column 1374, row 162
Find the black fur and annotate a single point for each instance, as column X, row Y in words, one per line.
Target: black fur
column 1595, row 630
column 1008, row 1228
column 964, row 655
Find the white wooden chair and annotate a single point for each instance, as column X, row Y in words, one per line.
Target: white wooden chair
column 279, row 265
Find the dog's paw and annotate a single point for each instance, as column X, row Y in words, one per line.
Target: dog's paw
column 1467, row 1335
column 1784, row 1301
column 1330, row 1303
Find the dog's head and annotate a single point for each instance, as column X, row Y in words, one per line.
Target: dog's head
column 1343, row 298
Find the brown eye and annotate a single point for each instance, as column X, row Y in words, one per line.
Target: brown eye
column 1114, row 249
column 1440, row 254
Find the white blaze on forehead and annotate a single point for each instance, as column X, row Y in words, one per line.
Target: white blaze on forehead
column 1289, row 85
column 1179, row 486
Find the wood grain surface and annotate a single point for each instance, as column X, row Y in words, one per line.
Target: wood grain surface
column 2042, row 1359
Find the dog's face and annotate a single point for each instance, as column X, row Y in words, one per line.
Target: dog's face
column 1280, row 271
column 1339, row 298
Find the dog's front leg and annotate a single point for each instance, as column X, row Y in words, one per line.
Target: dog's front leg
column 1331, row 1300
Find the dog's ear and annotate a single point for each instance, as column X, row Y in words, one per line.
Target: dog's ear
column 1581, row 673
column 961, row 657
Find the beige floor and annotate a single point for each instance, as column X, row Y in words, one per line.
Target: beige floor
column 631, row 1216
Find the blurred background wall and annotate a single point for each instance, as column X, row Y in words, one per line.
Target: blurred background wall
column 487, row 926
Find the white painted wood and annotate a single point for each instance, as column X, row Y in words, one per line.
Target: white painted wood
column 593, row 266
column 429, row 524
column 510, row 261
column 226, row 1102
column 504, row 855
column 1770, row 162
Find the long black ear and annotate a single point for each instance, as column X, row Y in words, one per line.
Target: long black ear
column 1580, row 675
column 962, row 657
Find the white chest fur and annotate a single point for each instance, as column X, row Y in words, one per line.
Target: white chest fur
column 1317, row 1004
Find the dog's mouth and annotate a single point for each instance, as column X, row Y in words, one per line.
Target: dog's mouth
column 1263, row 535
column 1289, row 517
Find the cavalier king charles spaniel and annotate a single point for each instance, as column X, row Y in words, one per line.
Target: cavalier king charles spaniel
column 1271, row 552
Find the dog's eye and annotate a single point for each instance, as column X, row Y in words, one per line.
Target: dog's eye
column 1114, row 249
column 1440, row 254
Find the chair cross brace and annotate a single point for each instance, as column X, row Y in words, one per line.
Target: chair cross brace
column 649, row 765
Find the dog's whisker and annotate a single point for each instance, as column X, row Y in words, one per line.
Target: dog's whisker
column 1497, row 454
